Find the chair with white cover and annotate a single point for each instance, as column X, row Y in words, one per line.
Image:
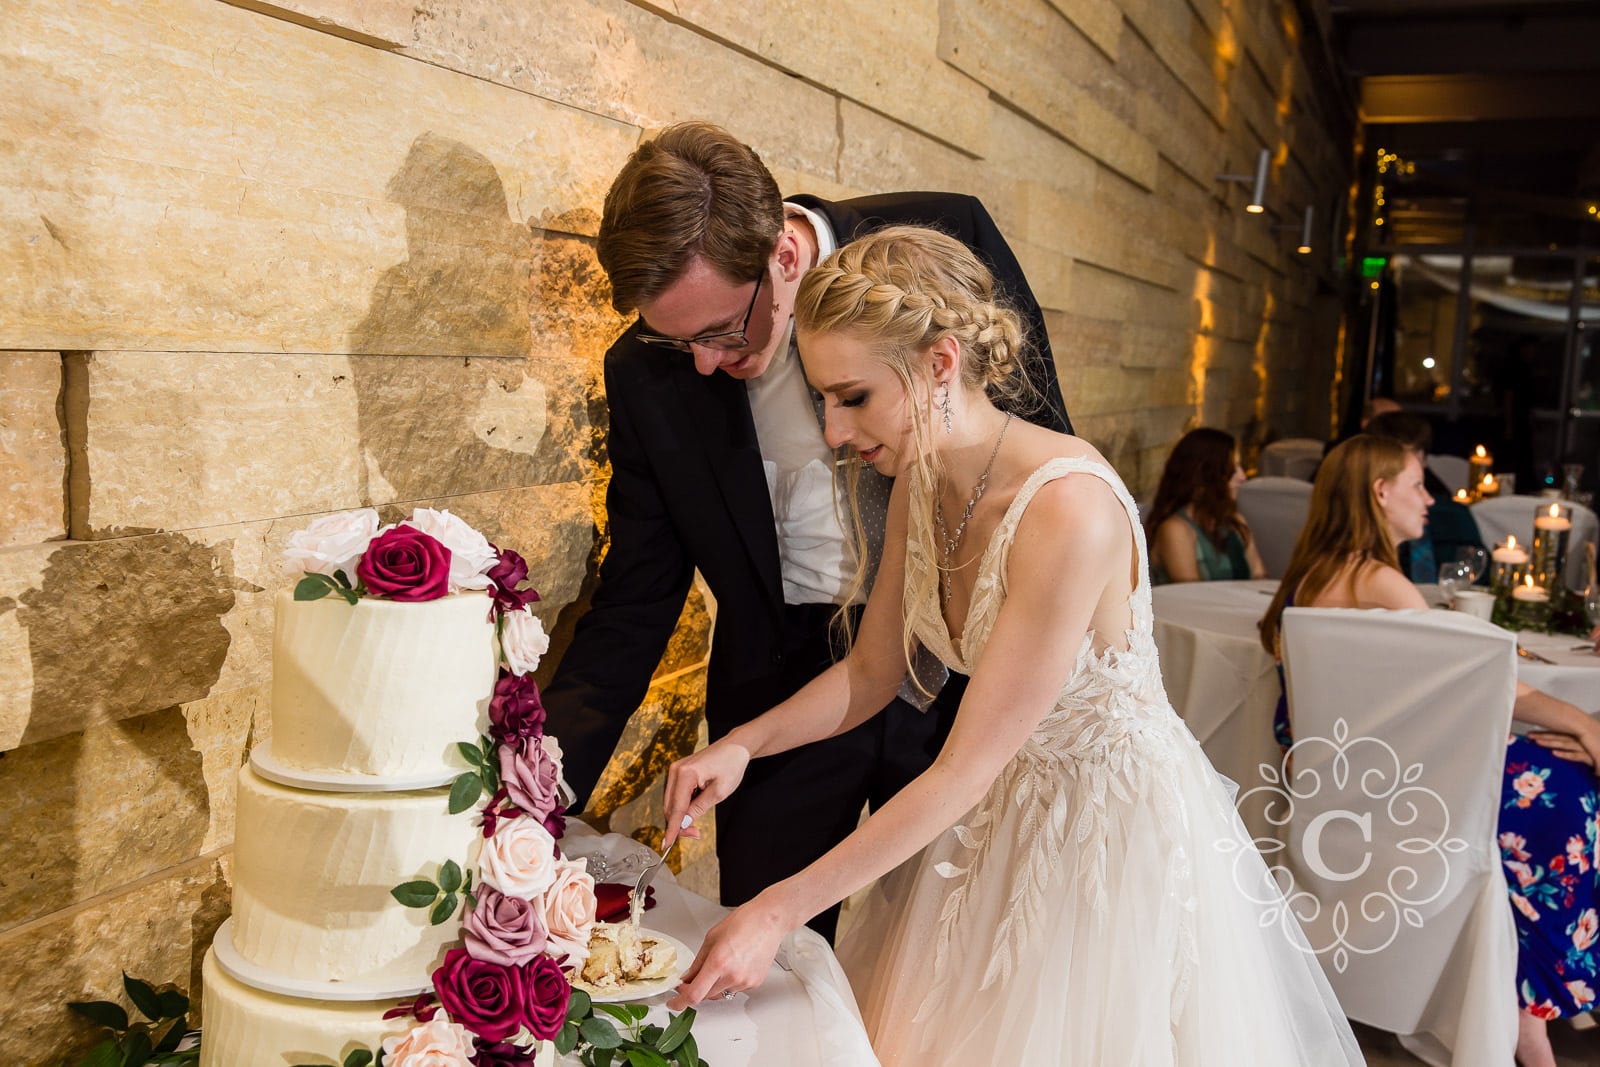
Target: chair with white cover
column 1499, row 516
column 1292, row 457
column 1400, row 721
column 1276, row 509
column 1454, row 471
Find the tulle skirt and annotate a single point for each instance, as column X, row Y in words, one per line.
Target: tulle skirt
column 1128, row 931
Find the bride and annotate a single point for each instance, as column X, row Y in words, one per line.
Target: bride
column 1057, row 887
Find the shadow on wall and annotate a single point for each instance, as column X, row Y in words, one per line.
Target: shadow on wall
column 433, row 426
column 106, row 786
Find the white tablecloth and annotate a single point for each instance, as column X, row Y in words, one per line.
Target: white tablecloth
column 1226, row 687
column 803, row 1015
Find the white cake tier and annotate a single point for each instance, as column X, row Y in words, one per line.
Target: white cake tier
column 380, row 687
column 312, row 874
column 245, row 1027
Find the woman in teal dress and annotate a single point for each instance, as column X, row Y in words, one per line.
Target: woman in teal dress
column 1195, row 529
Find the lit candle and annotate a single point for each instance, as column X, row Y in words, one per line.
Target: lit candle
column 1510, row 552
column 1553, row 520
column 1479, row 464
column 1488, row 487
column 1462, row 497
column 1529, row 592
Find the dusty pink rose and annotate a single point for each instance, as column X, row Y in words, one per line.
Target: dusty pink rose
column 484, row 997
column 439, row 1043
column 333, row 543
column 502, row 929
column 531, row 771
column 522, row 641
column 545, row 992
column 519, row 859
column 569, row 911
column 471, row 554
column 405, row 564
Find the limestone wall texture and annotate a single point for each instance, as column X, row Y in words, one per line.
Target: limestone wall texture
column 267, row 260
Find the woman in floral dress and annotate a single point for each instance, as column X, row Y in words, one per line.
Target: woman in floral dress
column 1368, row 496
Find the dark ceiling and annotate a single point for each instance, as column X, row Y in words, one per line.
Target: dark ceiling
column 1496, row 103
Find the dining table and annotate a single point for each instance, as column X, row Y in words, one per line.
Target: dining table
column 1225, row 684
column 802, row 1015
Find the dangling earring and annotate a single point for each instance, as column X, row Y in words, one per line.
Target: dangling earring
column 942, row 398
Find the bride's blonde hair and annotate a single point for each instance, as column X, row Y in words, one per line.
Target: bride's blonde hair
column 902, row 289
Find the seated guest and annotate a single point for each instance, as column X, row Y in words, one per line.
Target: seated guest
column 1196, row 531
column 1368, row 495
column 1450, row 525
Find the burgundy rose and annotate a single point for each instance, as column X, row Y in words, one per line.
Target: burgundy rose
column 509, row 571
column 424, row 1009
column 503, row 929
column 515, row 710
column 545, row 994
column 556, row 823
column 405, row 564
column 530, row 769
column 505, row 1054
column 484, row 997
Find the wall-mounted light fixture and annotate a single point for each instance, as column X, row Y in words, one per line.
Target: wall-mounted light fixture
column 1307, row 222
column 1258, row 184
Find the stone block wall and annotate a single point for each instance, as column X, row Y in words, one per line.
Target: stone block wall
column 267, row 260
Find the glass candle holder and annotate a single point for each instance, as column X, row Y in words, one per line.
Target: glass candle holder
column 1530, row 606
column 1504, row 577
column 1479, row 464
column 1552, row 529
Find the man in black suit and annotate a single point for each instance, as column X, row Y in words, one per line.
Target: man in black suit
column 718, row 464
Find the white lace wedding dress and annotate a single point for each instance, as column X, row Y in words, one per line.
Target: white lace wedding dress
column 1083, row 913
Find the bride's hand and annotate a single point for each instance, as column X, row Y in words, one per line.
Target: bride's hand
column 696, row 784
column 736, row 955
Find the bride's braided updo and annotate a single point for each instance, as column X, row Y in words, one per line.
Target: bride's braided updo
column 905, row 287
column 901, row 290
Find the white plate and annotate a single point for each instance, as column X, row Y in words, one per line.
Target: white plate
column 264, row 764
column 238, row 967
column 646, row 990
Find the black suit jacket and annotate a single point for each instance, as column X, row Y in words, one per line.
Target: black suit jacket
column 688, row 491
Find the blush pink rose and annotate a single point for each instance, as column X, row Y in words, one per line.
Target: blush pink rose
column 332, row 544
column 530, row 769
column 502, row 929
column 519, row 859
column 569, row 908
column 522, row 641
column 471, row 554
column 439, row 1043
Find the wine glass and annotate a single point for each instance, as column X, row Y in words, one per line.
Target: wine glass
column 1477, row 560
column 1453, row 576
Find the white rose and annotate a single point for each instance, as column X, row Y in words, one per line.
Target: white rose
column 471, row 557
column 522, row 641
column 440, row 1043
column 332, row 543
column 520, row 859
column 569, row 907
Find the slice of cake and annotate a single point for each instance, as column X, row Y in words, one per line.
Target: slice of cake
column 621, row 954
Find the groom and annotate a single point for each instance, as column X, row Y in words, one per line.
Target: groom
column 719, row 465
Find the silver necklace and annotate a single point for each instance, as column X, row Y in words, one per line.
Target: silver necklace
column 949, row 543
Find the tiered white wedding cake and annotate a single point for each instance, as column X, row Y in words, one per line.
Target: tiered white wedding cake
column 351, row 800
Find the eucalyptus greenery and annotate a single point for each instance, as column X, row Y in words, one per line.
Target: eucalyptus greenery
column 443, row 897
column 483, row 778
column 317, row 586
column 138, row 1042
column 593, row 1029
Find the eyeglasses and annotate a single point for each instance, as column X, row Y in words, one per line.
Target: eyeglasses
column 723, row 341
